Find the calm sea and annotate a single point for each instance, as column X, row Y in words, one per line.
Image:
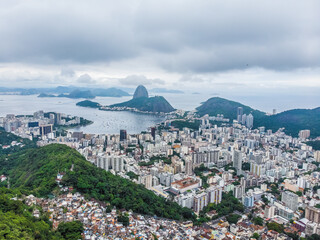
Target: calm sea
column 112, row 122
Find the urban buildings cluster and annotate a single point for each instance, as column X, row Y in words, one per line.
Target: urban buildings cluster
column 40, row 124
column 275, row 176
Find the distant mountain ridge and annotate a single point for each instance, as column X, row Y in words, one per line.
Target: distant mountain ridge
column 292, row 120
column 58, row 91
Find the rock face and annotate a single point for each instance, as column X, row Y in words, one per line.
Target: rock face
column 141, row 91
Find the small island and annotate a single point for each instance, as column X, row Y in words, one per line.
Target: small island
column 88, row 103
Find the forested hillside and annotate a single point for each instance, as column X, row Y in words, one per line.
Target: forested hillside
column 35, row 171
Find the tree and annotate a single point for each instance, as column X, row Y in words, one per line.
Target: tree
column 255, row 235
column 124, row 219
column 258, row 221
column 245, row 166
column 233, row 218
column 276, row 227
column 71, row 230
column 313, row 237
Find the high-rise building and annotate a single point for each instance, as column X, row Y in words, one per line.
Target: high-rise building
column 249, row 121
column 238, row 191
column 290, row 200
column 257, row 169
column 285, row 212
column 304, row 134
column 58, row 118
column 313, row 214
column 52, row 118
column 146, row 180
column 214, row 194
column 189, row 168
column 45, row 129
column 186, row 200
column 243, row 119
column 200, row 201
column 248, row 200
column 78, row 135
column 103, row 162
column 239, row 114
column 237, row 160
column 205, row 157
column 117, row 163
column 153, row 133
column 123, row 135
column 317, row 156
column 269, row 211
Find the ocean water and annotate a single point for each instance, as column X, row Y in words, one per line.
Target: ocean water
column 111, row 122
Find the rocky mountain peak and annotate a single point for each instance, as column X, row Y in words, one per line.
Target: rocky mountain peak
column 141, row 91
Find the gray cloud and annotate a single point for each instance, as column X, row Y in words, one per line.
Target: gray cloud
column 134, row 80
column 67, row 72
column 85, row 78
column 178, row 36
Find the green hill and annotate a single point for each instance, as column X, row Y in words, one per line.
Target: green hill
column 88, row 103
column 155, row 104
column 217, row 105
column 7, row 138
column 35, row 171
column 293, row 121
column 17, row 221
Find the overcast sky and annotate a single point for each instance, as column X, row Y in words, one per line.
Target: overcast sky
column 205, row 45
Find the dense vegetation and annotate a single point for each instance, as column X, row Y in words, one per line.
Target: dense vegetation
column 17, row 221
column 88, row 103
column 228, row 205
column 293, row 120
column 217, row 105
column 35, row 171
column 155, row 104
column 314, row 144
column 275, row 226
column 7, row 138
column 71, row 230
